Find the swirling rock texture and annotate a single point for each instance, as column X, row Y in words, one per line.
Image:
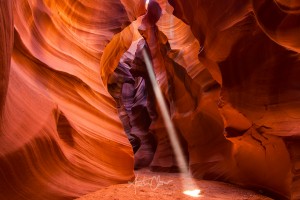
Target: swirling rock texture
column 255, row 44
column 227, row 69
column 60, row 133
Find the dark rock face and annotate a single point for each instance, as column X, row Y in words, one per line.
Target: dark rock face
column 6, row 46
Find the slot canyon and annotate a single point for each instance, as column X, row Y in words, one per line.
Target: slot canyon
column 79, row 111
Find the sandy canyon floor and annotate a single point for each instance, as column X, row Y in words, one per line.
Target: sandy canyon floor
column 162, row 186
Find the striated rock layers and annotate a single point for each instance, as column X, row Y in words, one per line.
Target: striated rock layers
column 60, row 133
column 255, row 44
column 75, row 94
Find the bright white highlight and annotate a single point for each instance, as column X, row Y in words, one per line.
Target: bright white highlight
column 146, row 5
column 192, row 193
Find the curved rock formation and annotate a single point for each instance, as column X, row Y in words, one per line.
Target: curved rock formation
column 256, row 48
column 228, row 70
column 60, row 133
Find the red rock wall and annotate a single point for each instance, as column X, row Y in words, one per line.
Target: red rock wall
column 233, row 68
column 60, row 133
column 6, row 45
column 256, row 47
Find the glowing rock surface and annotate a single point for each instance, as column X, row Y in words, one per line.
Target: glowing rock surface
column 61, row 136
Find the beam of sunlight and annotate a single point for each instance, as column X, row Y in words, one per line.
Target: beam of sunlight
column 146, row 4
column 165, row 115
column 189, row 186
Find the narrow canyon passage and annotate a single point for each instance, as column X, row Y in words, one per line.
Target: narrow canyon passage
column 80, row 116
